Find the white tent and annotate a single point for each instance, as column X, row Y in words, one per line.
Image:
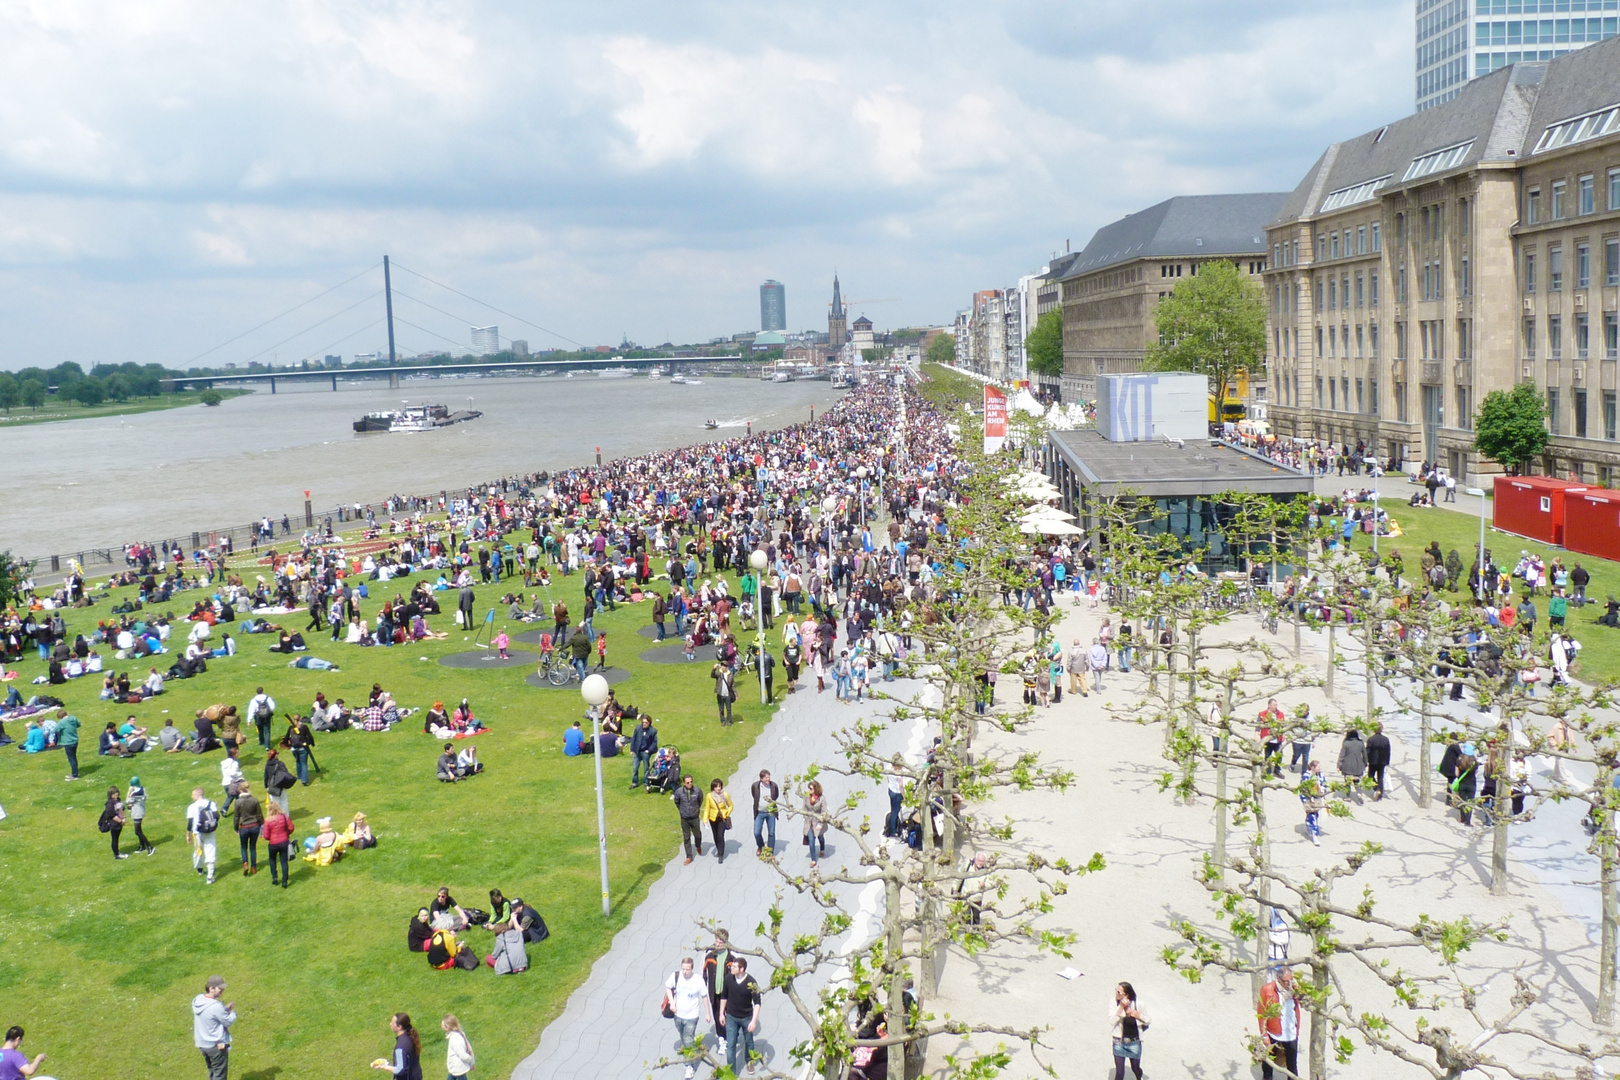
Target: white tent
column 1042, row 512
column 1049, row 528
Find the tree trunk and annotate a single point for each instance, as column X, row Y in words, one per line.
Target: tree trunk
column 1317, row 1067
column 1368, row 661
column 1425, row 729
column 1220, row 784
column 1261, row 851
column 1332, row 651
column 1611, row 917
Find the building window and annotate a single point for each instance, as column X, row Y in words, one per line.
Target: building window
column 1321, row 247
column 1400, row 229
column 1295, row 258
column 1372, row 395
column 1377, row 247
column 1465, row 283
column 1555, row 269
column 1582, row 337
column 1530, row 337
column 1465, row 415
column 1577, row 403
column 1609, row 417
column 1556, row 203
column 1611, row 262
column 1319, row 391
column 1400, row 339
column 1372, row 334
column 1529, row 271
column 1400, row 284
column 1333, row 245
column 1333, row 341
column 1611, row 336
column 1361, row 239
column 1532, row 206
column 1344, row 386
column 1553, row 423
column 1583, row 265
column 1463, row 217
column 1400, row 402
column 1555, row 337
column 1359, row 399
column 1361, row 294
column 1585, row 195
column 1372, row 289
column 1359, row 341
column 1276, row 254
column 1614, row 189
column 1319, row 352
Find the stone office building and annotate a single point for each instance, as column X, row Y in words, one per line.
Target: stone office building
column 1110, row 291
column 1419, row 266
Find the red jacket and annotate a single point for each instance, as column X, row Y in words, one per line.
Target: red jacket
column 278, row 829
column 1271, row 1015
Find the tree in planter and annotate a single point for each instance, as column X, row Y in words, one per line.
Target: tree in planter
column 1045, row 344
column 1213, row 324
column 965, row 884
column 1511, row 426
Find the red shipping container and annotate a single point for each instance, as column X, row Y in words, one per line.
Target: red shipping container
column 1592, row 523
column 1533, row 506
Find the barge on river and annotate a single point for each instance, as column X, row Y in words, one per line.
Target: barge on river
column 414, row 418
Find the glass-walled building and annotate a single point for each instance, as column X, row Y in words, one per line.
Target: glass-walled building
column 1459, row 40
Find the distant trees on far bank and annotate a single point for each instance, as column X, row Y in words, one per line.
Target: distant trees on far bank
column 31, row 386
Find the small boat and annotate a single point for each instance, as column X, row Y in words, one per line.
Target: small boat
column 655, row 373
column 677, row 379
column 781, row 376
column 614, row 373
column 710, row 425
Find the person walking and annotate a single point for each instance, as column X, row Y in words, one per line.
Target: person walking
column 211, row 1022
column 278, row 780
column 894, row 777
column 458, row 1051
column 1099, row 663
column 1353, row 762
column 249, row 821
column 725, row 690
column 714, row 979
column 262, row 711
column 643, row 747
column 1129, row 1024
column 1466, row 784
column 1378, row 759
column 67, row 737
column 1079, row 659
column 112, row 820
column 301, row 741
column 815, row 825
column 202, row 821
column 717, row 812
column 689, row 804
column 277, row 833
column 1278, row 1011
column 15, row 1063
column 687, row 1000
column 135, row 807
column 1313, row 794
column 765, row 792
column 1300, row 739
column 742, row 997
column 406, row 1063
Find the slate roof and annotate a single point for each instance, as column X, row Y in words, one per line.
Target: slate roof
column 1576, row 83
column 1187, row 226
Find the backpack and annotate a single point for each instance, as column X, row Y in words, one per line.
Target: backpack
column 261, row 708
column 207, row 819
column 105, row 823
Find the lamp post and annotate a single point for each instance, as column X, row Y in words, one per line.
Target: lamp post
column 758, row 560
column 860, row 492
column 1479, row 585
column 595, row 692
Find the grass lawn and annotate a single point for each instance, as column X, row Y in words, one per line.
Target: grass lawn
column 1600, row 645
column 104, row 956
column 56, row 409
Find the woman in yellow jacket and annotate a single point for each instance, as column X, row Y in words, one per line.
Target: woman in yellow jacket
column 717, row 812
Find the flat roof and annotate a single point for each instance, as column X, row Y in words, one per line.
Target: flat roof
column 1161, row 469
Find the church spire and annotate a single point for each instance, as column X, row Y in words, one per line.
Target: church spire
column 837, row 318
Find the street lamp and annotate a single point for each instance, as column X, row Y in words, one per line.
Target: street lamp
column 758, row 560
column 595, row 692
column 1374, row 498
column 860, row 492
column 828, row 505
column 1479, row 586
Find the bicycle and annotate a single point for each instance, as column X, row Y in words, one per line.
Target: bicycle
column 559, row 672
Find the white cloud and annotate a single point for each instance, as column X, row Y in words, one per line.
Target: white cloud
column 185, row 168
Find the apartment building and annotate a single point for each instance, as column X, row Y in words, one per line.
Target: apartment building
column 1109, row 293
column 1419, row 266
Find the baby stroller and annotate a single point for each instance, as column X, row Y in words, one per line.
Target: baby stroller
column 665, row 771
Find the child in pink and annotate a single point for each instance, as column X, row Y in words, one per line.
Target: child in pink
column 501, row 642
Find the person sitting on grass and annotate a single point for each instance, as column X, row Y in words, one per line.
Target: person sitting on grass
column 443, row 904
column 325, row 847
column 420, row 931
column 358, row 834
column 442, row 949
column 463, row 720
column 574, row 740
column 447, row 764
column 467, row 763
column 435, row 719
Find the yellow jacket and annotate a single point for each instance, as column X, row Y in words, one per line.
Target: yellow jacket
column 714, row 809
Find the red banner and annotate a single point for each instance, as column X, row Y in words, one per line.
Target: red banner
column 995, row 418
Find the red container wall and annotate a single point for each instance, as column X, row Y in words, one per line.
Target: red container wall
column 1592, row 524
column 1533, row 506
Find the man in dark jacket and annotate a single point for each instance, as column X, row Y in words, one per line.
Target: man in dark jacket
column 1580, row 578
column 579, row 650
column 689, row 804
column 1378, row 756
column 766, row 793
column 643, row 745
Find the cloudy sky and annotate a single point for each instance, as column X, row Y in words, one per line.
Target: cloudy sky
column 175, row 172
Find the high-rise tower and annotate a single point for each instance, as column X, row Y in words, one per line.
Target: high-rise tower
column 772, row 306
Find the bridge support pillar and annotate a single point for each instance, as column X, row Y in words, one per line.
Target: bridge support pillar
column 334, row 384
column 272, row 384
column 393, row 380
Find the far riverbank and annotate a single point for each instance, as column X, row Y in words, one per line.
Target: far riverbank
column 55, row 411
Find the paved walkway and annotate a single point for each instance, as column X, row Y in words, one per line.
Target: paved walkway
column 611, row 1026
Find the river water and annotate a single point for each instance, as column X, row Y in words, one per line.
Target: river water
column 78, row 484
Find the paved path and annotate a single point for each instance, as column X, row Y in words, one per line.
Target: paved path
column 611, row 1026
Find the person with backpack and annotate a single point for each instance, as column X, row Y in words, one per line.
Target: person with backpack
column 686, row 1001
column 301, row 741
column 1129, row 1025
column 135, row 805
column 112, row 820
column 262, row 711
column 278, row 780
column 202, row 822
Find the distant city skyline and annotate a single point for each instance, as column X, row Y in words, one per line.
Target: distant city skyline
column 629, row 190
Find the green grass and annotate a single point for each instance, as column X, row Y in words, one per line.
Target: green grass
column 1600, row 645
column 56, row 409
column 104, row 957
